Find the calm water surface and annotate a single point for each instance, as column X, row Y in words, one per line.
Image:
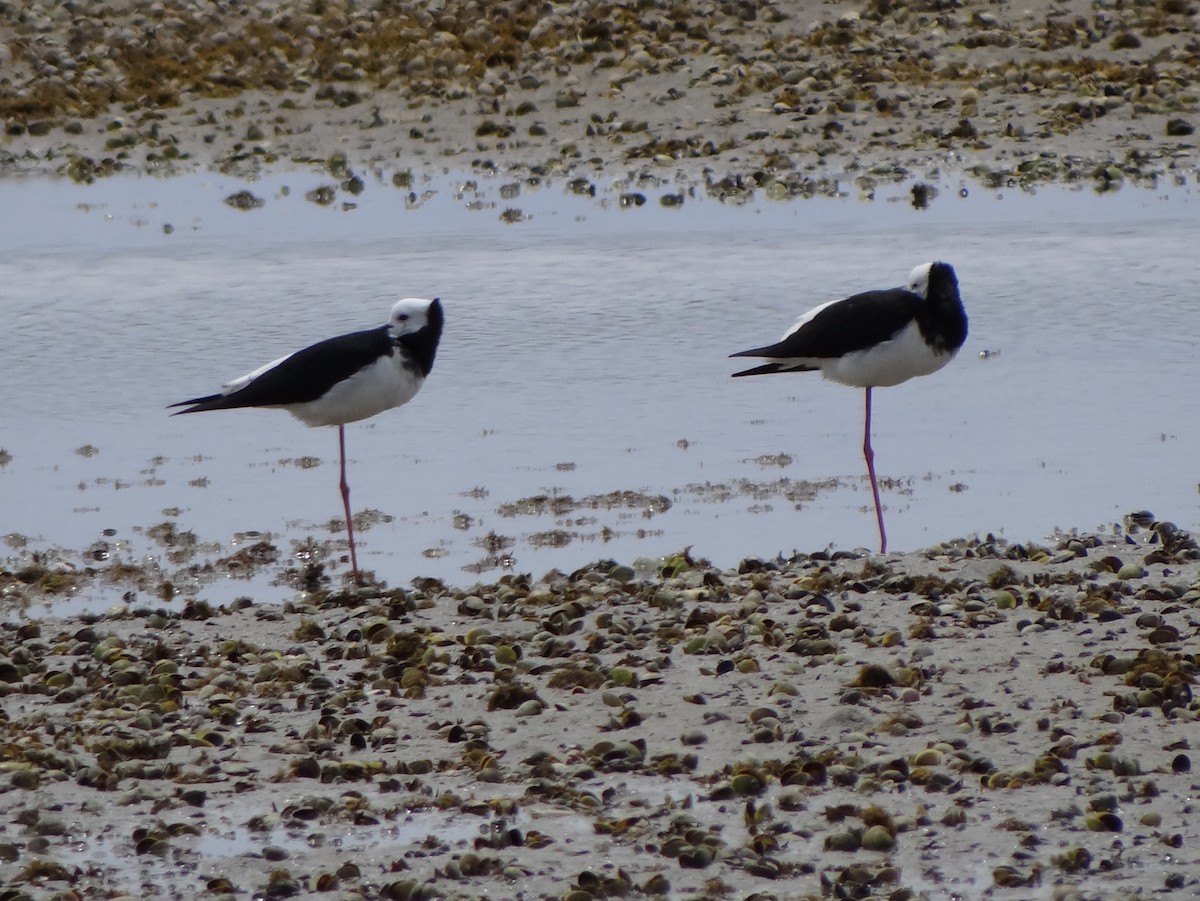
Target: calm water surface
column 586, row 353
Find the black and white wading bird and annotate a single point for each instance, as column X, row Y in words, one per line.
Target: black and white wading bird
column 875, row 340
column 343, row 379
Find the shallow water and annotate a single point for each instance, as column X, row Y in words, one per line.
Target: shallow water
column 586, row 353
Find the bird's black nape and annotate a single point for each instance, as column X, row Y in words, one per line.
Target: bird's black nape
column 942, row 318
column 422, row 345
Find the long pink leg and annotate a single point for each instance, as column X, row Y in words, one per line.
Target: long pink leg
column 869, row 455
column 346, row 502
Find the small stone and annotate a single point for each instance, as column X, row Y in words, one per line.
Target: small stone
column 622, row 573
column 693, row 737
column 1130, row 571
column 877, row 838
column 506, row 655
column 26, row 779
column 843, row 841
column 244, row 200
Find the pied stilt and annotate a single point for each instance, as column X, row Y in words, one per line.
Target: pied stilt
column 874, row 340
column 343, row 380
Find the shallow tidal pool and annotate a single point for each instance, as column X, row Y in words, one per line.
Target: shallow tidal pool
column 581, row 405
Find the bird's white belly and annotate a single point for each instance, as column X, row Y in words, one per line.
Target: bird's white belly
column 904, row 357
column 378, row 387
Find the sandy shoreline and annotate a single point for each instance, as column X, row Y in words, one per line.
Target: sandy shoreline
column 979, row 719
column 783, row 96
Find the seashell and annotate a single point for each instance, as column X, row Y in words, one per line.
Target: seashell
column 697, row 857
column 747, row 784
column 1103, row 822
column 928, row 757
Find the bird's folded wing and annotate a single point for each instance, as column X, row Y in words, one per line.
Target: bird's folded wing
column 836, row 329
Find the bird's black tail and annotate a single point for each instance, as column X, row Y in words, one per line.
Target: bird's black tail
column 764, row 369
column 199, row 404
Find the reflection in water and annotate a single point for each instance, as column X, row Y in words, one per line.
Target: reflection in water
column 585, row 358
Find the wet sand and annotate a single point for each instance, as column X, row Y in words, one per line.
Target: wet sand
column 978, row 719
column 975, row 720
column 753, row 94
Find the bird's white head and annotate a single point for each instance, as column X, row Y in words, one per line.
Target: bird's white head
column 409, row 315
column 918, row 280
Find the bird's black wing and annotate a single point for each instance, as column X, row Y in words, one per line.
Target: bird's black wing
column 849, row 325
column 304, row 376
